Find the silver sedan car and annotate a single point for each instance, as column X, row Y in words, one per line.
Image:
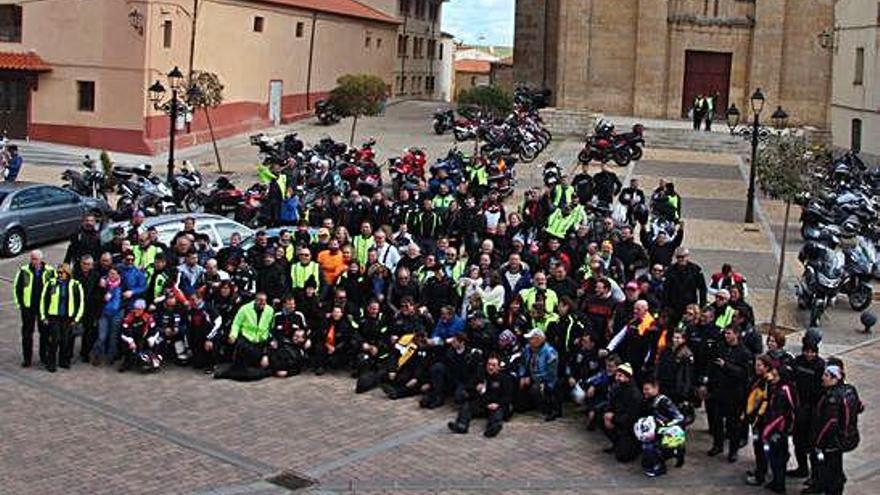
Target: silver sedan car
column 32, row 213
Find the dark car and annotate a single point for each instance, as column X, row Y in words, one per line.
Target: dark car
column 32, row 213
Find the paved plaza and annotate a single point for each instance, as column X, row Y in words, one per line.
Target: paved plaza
column 93, row 431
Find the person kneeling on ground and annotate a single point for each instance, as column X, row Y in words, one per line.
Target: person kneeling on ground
column 668, row 419
column 140, row 338
column 625, row 402
column 493, row 398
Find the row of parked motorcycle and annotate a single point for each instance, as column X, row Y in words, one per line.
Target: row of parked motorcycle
column 841, row 230
column 522, row 133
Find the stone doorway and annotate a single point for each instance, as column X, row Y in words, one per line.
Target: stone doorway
column 706, row 73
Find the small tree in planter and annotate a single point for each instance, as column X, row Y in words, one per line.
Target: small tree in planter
column 357, row 95
column 206, row 92
column 786, row 167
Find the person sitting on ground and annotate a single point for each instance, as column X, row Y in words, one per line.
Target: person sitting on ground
column 538, row 375
column 493, row 397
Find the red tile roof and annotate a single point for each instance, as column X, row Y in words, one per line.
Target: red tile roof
column 348, row 8
column 474, row 66
column 23, row 61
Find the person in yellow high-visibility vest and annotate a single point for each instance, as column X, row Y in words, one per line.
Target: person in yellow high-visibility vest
column 26, row 290
column 305, row 269
column 363, row 243
column 61, row 306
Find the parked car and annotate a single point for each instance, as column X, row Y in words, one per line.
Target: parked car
column 33, row 213
column 217, row 227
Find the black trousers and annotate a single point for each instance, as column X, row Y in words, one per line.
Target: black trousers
column 29, row 321
column 59, row 342
column 777, row 457
column 444, row 383
column 90, row 333
column 801, row 439
column 479, row 407
column 626, row 447
column 760, row 459
column 725, row 424
column 830, row 477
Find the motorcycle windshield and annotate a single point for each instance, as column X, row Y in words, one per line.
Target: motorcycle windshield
column 833, row 264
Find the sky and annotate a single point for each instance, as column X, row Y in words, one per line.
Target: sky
column 485, row 22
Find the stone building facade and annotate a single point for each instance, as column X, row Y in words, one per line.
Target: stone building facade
column 650, row 58
column 421, row 54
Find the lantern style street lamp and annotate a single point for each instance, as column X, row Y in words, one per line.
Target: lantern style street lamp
column 171, row 107
column 754, row 133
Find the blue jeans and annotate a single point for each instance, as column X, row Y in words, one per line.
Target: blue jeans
column 108, row 336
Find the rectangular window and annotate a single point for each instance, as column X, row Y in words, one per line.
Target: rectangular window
column 403, row 7
column 367, row 42
column 258, row 24
column 300, row 27
column 440, row 54
column 167, row 31
column 860, row 67
column 85, row 92
column 403, row 85
column 856, row 136
column 379, row 43
column 10, row 23
column 433, row 11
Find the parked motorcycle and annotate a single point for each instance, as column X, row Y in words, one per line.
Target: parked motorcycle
column 829, row 271
column 444, row 120
column 603, row 146
column 87, row 181
column 185, row 186
column 139, row 189
column 326, row 113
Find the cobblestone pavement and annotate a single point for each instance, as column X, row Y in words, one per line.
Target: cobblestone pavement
column 92, row 430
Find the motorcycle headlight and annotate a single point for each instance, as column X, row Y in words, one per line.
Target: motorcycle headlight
column 825, row 281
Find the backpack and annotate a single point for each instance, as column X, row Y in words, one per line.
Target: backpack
column 851, row 407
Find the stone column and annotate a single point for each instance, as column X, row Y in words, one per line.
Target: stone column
column 652, row 45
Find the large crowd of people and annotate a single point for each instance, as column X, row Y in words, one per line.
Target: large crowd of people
column 449, row 296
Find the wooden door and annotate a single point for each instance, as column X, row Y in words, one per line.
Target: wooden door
column 275, row 95
column 706, row 73
column 14, row 100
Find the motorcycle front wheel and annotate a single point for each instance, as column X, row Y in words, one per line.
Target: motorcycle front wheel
column 622, row 158
column 528, row 153
column 584, row 156
column 193, row 203
column 636, row 152
column 860, row 299
column 439, row 128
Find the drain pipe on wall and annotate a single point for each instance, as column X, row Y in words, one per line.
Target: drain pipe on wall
column 311, row 57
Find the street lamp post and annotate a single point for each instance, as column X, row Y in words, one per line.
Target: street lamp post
column 754, row 133
column 171, row 107
column 757, row 106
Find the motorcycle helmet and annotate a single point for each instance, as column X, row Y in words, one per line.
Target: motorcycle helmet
column 604, row 126
column 672, row 437
column 645, row 429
